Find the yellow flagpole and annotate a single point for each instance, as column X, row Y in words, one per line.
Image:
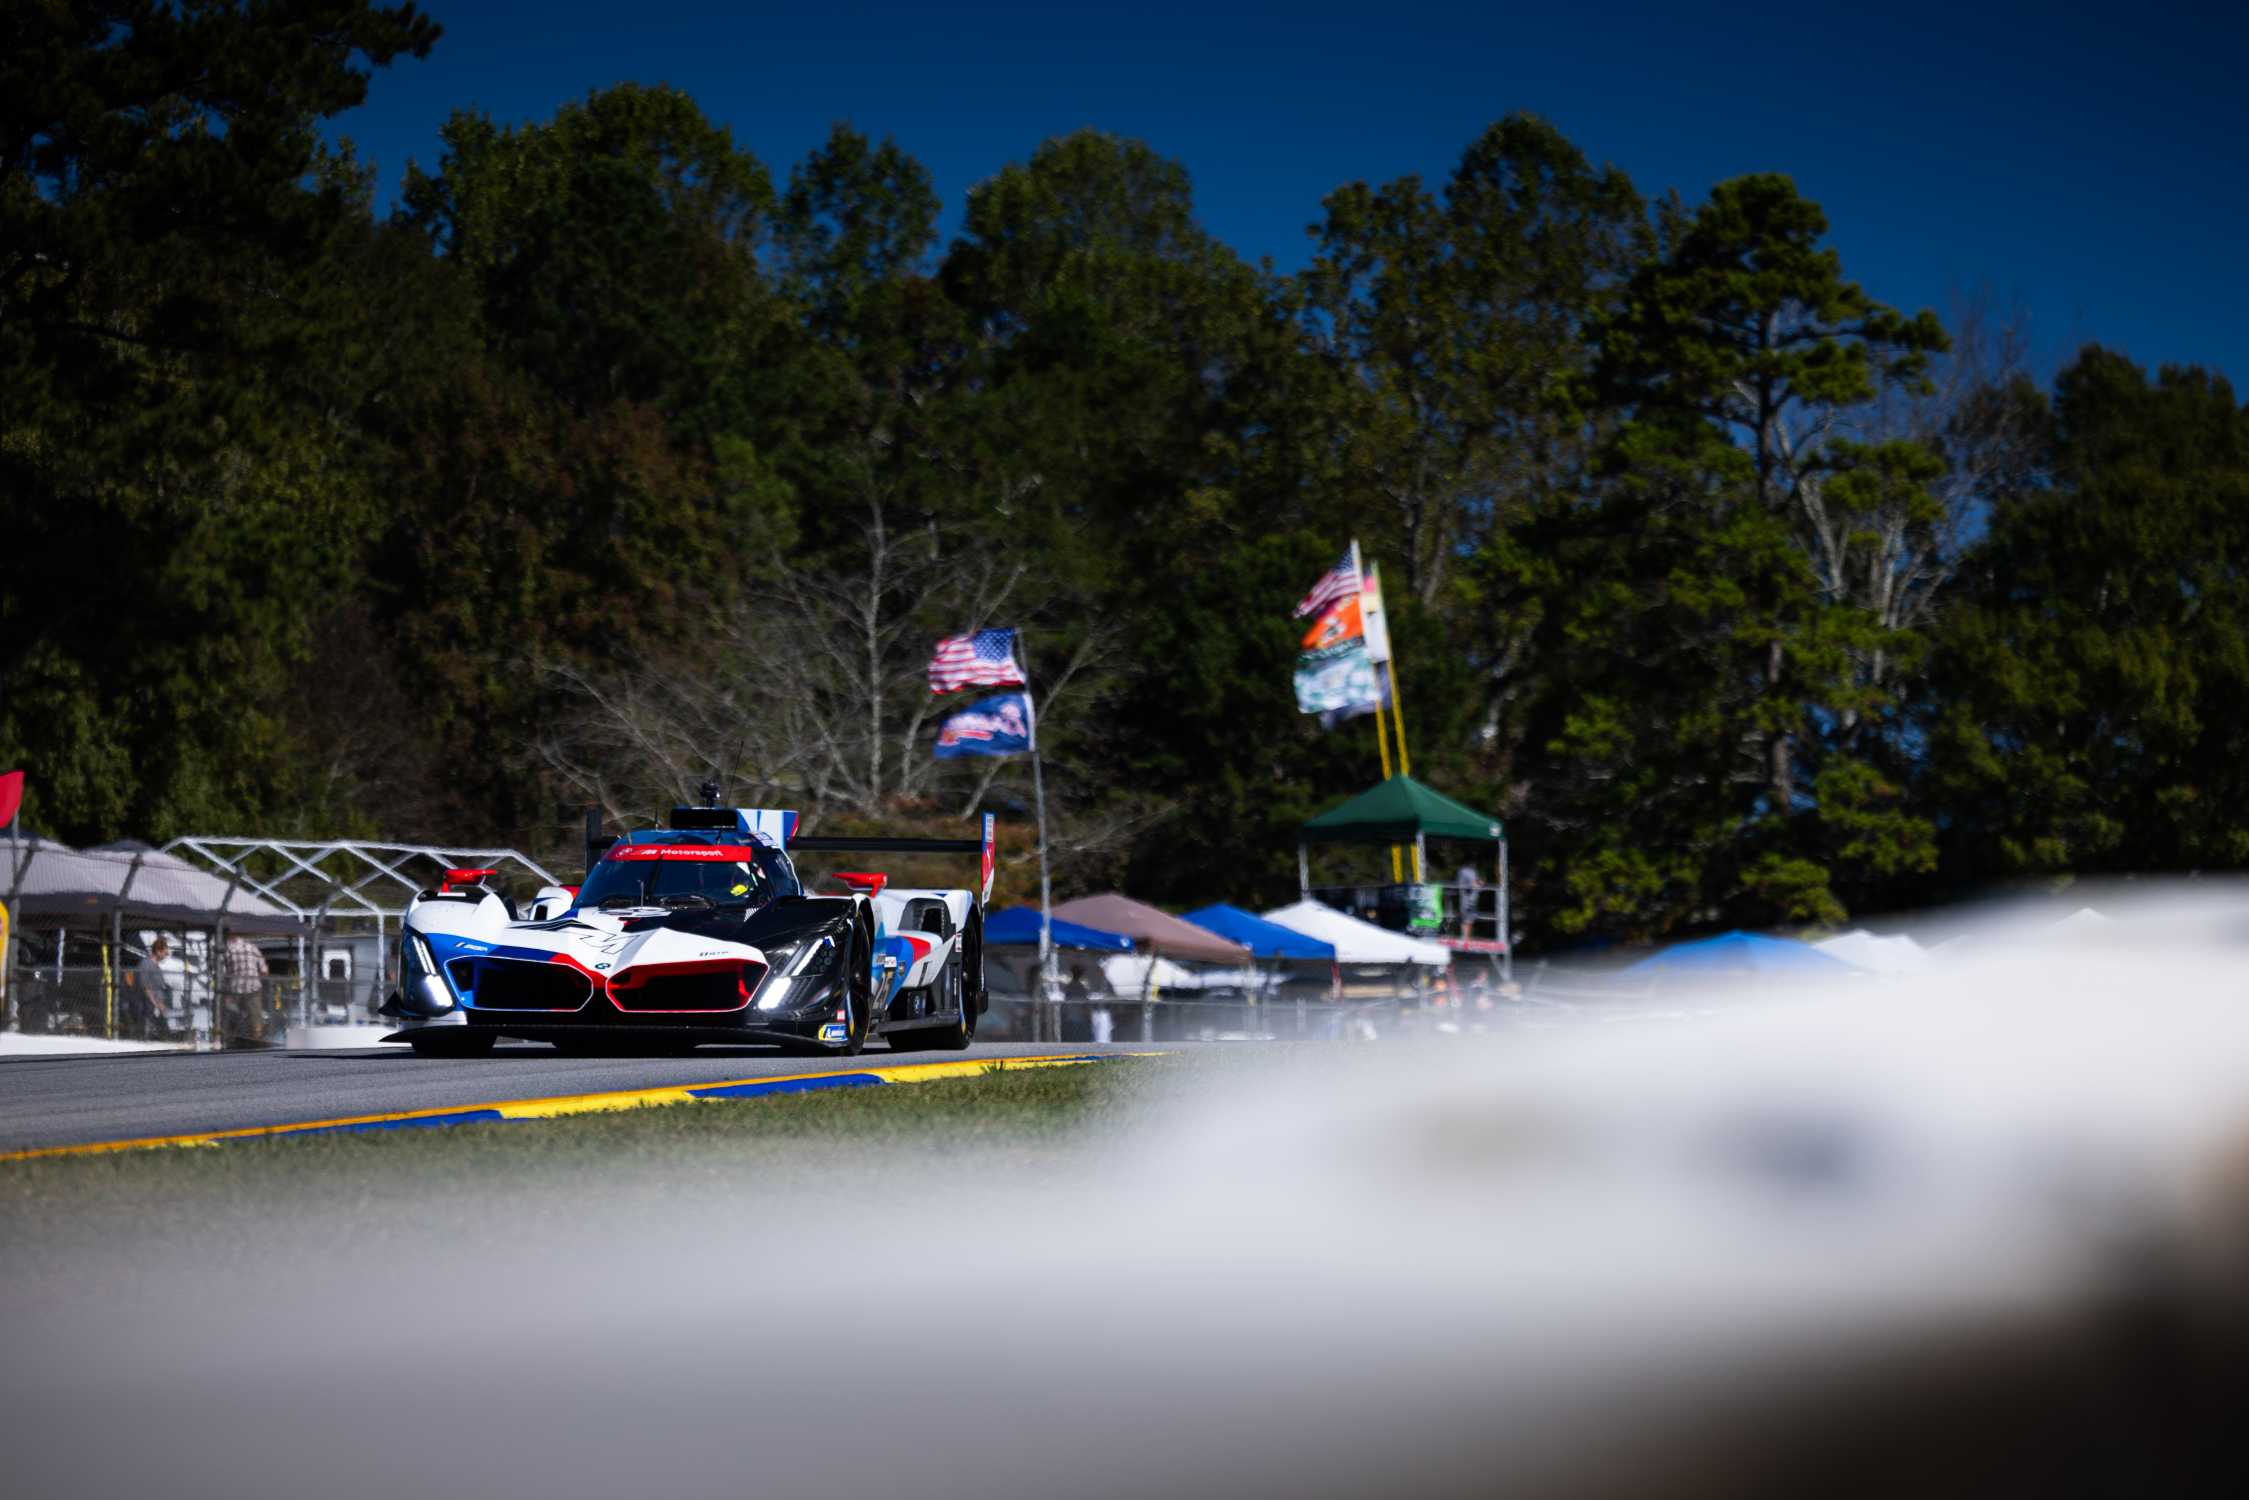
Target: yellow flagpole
column 1398, row 722
column 1382, row 743
column 1398, row 717
column 1359, row 576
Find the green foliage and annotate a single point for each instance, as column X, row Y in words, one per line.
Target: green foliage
column 178, row 495
column 2089, row 696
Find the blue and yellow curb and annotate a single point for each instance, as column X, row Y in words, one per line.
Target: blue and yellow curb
column 584, row 1104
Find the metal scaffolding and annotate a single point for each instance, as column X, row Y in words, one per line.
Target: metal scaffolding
column 344, row 885
column 344, row 878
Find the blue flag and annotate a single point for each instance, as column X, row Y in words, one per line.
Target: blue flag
column 990, row 726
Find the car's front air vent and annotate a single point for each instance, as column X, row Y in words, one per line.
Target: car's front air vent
column 526, row 984
column 729, row 988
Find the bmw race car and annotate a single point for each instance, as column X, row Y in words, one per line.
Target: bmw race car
column 699, row 932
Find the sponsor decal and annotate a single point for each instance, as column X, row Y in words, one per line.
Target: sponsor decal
column 834, row 1031
column 717, row 853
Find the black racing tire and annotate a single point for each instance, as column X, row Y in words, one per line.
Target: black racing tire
column 452, row 1041
column 859, row 988
column 975, row 998
column 953, row 995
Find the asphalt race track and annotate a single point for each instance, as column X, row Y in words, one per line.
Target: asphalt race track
column 64, row 1101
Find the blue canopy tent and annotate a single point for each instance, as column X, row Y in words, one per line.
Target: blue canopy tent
column 1018, row 927
column 1742, row 953
column 1262, row 938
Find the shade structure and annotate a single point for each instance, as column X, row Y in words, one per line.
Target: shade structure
column 1153, row 931
column 87, row 887
column 1742, row 953
column 1263, row 939
column 1018, row 927
column 1398, row 811
column 1358, row 942
column 1896, row 954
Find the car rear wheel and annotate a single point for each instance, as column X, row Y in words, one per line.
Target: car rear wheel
column 952, row 995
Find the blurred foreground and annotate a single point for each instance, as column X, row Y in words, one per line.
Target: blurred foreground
column 1981, row 1230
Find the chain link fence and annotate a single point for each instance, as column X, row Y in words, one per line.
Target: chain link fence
column 87, row 1003
column 81, row 985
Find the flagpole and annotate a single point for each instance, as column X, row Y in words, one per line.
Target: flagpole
column 1382, row 743
column 1381, row 739
column 1398, row 723
column 1046, row 884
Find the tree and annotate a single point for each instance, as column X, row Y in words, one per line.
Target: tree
column 1456, row 329
column 1104, row 425
column 169, row 223
column 582, row 485
column 1763, row 532
column 2090, row 696
column 614, row 249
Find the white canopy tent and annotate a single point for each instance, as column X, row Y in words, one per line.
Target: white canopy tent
column 1128, row 976
column 1893, row 955
column 1358, row 942
column 53, row 884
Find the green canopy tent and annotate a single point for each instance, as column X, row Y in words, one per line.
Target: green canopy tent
column 1402, row 810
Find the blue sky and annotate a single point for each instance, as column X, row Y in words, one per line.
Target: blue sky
column 2093, row 172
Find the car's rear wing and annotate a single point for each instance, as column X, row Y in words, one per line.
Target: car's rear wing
column 777, row 826
column 876, row 844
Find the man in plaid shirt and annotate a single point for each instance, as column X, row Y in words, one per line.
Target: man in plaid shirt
column 245, row 1016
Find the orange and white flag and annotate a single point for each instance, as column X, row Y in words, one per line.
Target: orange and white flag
column 1340, row 623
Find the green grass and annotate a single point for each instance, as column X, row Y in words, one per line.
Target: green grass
column 366, row 1183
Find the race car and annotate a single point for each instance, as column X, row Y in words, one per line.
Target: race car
column 698, row 932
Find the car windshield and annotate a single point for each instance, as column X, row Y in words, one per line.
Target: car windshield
column 688, row 875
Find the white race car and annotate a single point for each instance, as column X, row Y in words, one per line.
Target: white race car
column 699, row 932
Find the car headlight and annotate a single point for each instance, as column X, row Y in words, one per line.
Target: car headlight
column 795, row 967
column 814, row 959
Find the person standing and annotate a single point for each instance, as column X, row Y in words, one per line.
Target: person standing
column 1076, row 1017
column 1466, row 884
column 247, row 1018
column 149, row 991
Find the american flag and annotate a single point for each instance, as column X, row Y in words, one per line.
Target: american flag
column 982, row 658
column 1338, row 582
